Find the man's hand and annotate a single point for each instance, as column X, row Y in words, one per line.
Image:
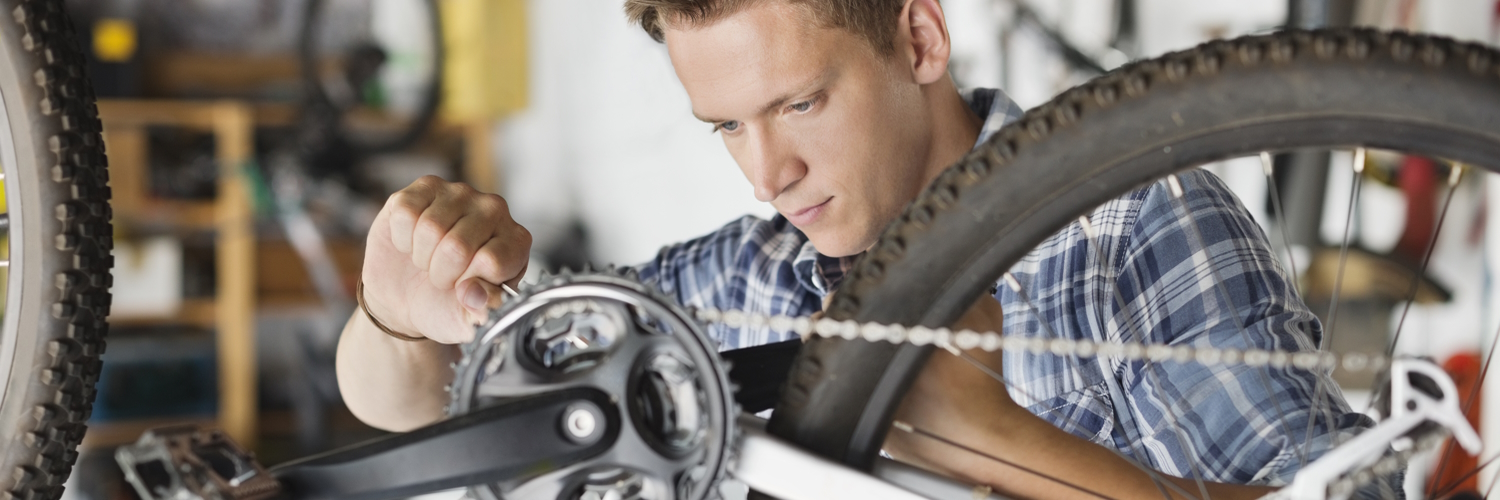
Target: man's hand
column 435, row 256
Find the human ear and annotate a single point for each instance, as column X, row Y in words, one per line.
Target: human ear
column 922, row 35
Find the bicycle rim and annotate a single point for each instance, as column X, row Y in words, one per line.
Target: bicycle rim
column 1346, row 88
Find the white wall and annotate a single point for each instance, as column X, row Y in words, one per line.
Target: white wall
column 610, row 138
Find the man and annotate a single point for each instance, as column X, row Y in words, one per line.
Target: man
column 838, row 112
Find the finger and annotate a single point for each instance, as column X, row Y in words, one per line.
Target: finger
column 477, row 298
column 502, row 259
column 457, row 249
column 433, row 226
column 405, row 207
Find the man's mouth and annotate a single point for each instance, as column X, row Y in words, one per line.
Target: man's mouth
column 808, row 215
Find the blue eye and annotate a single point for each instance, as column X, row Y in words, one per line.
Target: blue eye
column 802, row 107
column 729, row 126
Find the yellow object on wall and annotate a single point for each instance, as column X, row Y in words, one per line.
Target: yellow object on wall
column 485, row 76
column 114, row 40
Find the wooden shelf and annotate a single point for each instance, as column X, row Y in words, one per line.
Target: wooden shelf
column 193, row 312
column 231, row 314
column 175, row 213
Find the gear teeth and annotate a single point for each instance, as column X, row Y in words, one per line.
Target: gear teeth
column 460, row 391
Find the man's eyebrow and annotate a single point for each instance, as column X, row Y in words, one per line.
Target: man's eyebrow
column 820, row 80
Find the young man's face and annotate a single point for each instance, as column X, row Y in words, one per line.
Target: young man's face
column 827, row 130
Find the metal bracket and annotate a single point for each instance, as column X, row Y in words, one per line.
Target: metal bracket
column 1421, row 392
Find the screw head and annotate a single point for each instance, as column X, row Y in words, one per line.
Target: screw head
column 580, row 423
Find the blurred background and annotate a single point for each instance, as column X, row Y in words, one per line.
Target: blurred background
column 252, row 143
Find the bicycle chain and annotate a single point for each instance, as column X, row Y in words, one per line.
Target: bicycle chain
column 992, row 341
column 1134, row 351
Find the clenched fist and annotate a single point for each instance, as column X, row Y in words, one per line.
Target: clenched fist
column 436, row 255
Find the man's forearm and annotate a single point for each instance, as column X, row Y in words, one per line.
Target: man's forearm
column 390, row 383
column 1086, row 466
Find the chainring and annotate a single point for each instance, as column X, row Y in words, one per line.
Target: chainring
column 609, row 332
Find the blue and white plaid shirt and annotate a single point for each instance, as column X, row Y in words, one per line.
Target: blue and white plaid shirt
column 1193, row 271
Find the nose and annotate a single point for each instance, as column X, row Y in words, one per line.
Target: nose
column 771, row 165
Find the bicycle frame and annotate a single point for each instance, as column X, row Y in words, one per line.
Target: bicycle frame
column 183, row 463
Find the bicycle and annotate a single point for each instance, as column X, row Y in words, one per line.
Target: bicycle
column 662, row 407
column 678, row 414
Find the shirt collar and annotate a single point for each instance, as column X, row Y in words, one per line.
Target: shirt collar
column 820, row 274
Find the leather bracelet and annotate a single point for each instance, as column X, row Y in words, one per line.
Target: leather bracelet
column 359, row 296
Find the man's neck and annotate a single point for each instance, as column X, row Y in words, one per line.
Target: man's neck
column 955, row 127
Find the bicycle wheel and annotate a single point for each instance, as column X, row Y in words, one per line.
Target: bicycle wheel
column 59, row 238
column 1142, row 123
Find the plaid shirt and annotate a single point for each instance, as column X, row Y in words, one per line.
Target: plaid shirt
column 1148, row 275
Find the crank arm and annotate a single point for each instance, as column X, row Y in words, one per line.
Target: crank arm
column 510, row 441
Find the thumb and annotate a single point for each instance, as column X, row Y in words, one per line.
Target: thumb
column 477, row 297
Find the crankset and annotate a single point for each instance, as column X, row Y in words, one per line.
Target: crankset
column 581, row 387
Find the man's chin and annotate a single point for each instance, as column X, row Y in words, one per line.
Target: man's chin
column 839, row 245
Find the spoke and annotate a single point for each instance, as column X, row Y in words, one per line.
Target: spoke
column 1149, row 368
column 1455, row 174
column 1154, row 475
column 1493, row 480
column 1338, row 280
column 1015, row 286
column 1454, row 485
column 905, row 427
column 1338, row 283
column 1264, row 374
column 1286, row 240
column 1484, row 371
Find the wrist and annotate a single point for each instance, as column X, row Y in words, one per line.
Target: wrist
column 403, row 332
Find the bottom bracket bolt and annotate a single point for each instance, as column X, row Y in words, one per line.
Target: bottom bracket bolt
column 579, row 423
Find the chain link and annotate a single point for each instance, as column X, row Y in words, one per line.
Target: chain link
column 992, row 341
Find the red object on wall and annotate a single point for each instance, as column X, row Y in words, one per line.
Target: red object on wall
column 1418, row 178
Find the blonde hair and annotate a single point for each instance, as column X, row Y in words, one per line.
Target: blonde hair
column 873, row 20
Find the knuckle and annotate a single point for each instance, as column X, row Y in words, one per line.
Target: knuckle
column 404, row 201
column 458, row 189
column 430, row 227
column 523, row 237
column 492, row 204
column 456, row 248
column 487, row 264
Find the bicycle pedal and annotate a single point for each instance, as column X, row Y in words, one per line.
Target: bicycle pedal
column 189, row 462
